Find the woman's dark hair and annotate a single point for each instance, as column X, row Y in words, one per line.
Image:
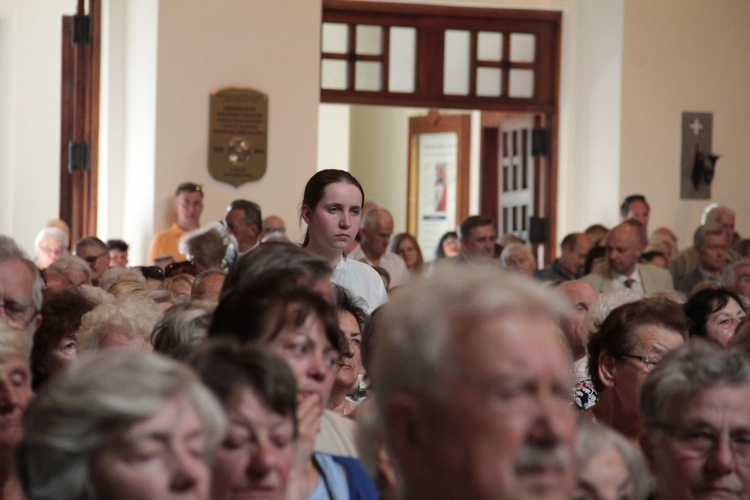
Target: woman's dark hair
column 650, row 256
column 256, row 314
column 278, row 262
column 117, row 245
column 346, row 301
column 316, row 186
column 61, row 316
column 224, row 367
column 616, row 335
column 439, row 252
column 703, row 304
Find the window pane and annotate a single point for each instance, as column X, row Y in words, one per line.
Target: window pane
column 489, row 46
column 333, row 74
column 335, row 37
column 402, row 58
column 369, row 39
column 522, row 47
column 456, row 72
column 367, row 76
column 521, row 83
column 489, row 82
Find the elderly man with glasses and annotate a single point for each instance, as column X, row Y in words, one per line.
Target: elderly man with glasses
column 20, row 289
column 695, row 408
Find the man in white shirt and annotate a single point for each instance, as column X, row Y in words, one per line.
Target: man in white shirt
column 244, row 222
column 376, row 230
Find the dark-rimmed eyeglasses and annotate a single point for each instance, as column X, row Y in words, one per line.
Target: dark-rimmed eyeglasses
column 699, row 441
column 648, row 362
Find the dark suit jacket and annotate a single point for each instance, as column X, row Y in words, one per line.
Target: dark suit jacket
column 686, row 283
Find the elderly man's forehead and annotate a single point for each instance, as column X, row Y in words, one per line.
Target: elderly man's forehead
column 507, row 320
column 578, row 291
column 13, row 361
column 516, row 333
column 15, row 267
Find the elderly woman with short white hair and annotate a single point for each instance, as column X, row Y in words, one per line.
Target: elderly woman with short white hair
column 50, row 244
column 74, row 269
column 518, row 257
column 125, row 323
column 121, row 424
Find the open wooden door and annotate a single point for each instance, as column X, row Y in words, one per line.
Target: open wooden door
column 80, row 119
column 516, row 181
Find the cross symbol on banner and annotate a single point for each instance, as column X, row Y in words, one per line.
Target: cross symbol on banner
column 696, row 126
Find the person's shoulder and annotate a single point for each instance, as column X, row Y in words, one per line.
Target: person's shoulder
column 548, row 273
column 357, row 253
column 393, row 256
column 654, row 269
column 361, row 267
column 597, row 275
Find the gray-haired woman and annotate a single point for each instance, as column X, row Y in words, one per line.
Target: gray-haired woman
column 121, row 424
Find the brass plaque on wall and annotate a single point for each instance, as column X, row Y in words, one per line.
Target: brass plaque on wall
column 238, row 135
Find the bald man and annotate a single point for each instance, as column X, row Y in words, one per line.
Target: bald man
column 376, row 230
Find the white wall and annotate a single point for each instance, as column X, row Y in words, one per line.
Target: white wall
column 30, row 41
column 333, row 136
column 163, row 58
column 127, row 134
column 685, row 56
column 271, row 46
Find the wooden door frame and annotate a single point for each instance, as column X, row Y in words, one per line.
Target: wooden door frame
column 79, row 120
column 545, row 173
column 546, row 107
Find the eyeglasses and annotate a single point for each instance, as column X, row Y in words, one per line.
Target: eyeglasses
column 700, row 441
column 18, row 313
column 52, row 250
column 93, row 258
column 648, row 362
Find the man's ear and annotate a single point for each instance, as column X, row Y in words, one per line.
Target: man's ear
column 406, row 421
column 607, row 365
column 37, row 321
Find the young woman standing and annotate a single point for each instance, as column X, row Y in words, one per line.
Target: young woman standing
column 332, row 208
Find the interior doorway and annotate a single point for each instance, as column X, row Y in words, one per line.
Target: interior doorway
column 499, row 61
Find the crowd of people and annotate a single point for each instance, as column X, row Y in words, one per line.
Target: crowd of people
column 237, row 364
